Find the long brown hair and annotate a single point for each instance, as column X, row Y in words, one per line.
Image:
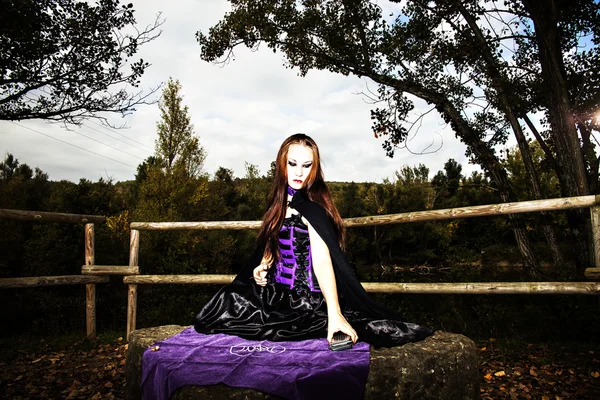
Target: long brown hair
column 314, row 189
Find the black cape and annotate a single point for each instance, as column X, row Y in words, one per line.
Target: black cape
column 374, row 323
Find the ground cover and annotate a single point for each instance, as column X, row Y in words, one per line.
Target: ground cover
column 70, row 367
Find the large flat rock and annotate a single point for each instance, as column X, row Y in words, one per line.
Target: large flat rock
column 443, row 366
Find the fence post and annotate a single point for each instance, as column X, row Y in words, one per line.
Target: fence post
column 90, row 288
column 134, row 249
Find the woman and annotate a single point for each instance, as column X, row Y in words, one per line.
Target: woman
column 299, row 285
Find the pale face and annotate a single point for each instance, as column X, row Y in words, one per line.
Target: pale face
column 299, row 164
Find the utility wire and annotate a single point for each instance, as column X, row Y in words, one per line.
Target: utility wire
column 71, row 144
column 120, row 134
column 108, row 145
column 113, row 137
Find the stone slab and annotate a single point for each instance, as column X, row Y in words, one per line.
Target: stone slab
column 443, row 366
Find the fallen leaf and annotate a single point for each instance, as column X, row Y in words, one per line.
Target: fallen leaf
column 108, row 384
column 595, row 374
column 488, row 377
column 532, row 371
column 483, row 349
column 523, row 388
column 500, row 373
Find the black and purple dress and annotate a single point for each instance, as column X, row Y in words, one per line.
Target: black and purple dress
column 291, row 306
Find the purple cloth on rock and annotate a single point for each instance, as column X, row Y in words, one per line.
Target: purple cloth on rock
column 293, row 370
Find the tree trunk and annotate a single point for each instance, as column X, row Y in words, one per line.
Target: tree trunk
column 589, row 154
column 569, row 157
column 502, row 88
column 482, row 152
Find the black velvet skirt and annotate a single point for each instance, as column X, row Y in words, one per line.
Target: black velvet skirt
column 277, row 313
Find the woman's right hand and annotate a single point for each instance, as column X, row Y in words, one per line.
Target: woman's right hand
column 260, row 274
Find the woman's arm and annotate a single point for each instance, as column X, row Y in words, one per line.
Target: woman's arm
column 321, row 261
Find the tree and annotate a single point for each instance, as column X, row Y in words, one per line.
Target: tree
column 446, row 52
column 411, row 175
column 144, row 168
column 11, row 168
column 170, row 183
column 177, row 146
column 68, row 60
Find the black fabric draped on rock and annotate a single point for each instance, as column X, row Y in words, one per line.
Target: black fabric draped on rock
column 277, row 313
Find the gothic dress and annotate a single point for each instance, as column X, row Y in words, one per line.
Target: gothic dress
column 291, row 306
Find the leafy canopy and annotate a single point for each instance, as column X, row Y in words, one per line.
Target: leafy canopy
column 68, row 60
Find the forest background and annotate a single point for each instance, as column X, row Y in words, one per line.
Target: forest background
column 474, row 249
column 448, row 54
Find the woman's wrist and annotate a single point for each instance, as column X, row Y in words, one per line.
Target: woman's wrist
column 265, row 265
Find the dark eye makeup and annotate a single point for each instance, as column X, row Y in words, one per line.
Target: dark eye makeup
column 293, row 164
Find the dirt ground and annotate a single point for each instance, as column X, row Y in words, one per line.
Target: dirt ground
column 68, row 368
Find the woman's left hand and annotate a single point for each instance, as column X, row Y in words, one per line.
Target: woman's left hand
column 337, row 323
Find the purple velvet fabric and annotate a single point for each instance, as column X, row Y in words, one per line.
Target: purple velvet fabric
column 291, row 191
column 293, row 370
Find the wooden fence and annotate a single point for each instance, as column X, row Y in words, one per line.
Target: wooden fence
column 92, row 274
column 589, row 288
column 89, row 281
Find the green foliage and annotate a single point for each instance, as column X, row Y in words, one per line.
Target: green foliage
column 547, row 176
column 474, row 249
column 453, row 55
column 177, row 147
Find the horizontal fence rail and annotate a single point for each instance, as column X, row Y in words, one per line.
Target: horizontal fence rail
column 195, row 226
column 179, row 279
column 565, row 203
column 582, row 288
column 59, row 280
column 43, row 216
column 394, row 287
column 109, row 270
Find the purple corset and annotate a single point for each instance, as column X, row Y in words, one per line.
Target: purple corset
column 294, row 269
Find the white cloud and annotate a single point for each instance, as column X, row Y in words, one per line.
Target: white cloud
column 241, row 111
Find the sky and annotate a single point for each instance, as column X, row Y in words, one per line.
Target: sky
column 241, row 112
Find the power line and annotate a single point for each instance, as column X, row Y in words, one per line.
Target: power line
column 118, row 133
column 71, row 144
column 108, row 145
column 112, row 137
